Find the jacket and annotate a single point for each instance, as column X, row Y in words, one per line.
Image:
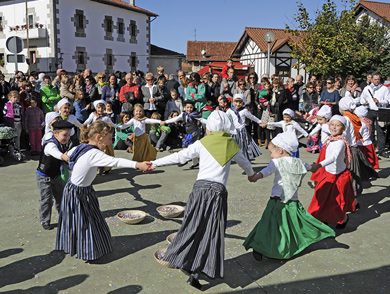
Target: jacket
column 50, row 97
column 199, row 96
column 124, row 97
column 33, row 119
column 160, row 102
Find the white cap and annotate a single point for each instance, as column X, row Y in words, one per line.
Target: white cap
column 347, row 103
column 325, row 112
column 361, row 111
column 62, row 102
column 289, row 112
column 218, row 121
column 286, row 142
column 96, row 102
column 50, row 116
column 340, row 119
column 239, row 96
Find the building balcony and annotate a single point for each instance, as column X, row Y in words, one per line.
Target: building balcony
column 34, row 33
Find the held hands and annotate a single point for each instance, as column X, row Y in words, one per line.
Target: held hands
column 163, row 123
column 263, row 125
column 253, row 178
column 65, row 156
column 144, row 166
column 315, row 167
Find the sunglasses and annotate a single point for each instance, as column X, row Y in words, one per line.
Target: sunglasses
column 241, row 84
column 149, row 79
column 310, row 87
column 251, row 77
column 329, row 83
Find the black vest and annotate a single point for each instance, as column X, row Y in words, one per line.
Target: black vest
column 190, row 127
column 49, row 165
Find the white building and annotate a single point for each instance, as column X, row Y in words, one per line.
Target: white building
column 103, row 35
column 252, row 49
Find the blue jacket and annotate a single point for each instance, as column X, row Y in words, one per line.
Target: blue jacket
column 81, row 112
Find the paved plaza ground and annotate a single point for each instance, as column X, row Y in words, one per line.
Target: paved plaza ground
column 356, row 261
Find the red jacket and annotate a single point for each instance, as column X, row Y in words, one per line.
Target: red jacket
column 126, row 88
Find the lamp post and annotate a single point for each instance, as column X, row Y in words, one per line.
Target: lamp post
column 269, row 38
column 61, row 60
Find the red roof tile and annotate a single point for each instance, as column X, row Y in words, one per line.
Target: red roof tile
column 258, row 34
column 126, row 5
column 215, row 51
column 379, row 8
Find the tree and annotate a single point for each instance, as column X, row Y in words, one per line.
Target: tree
column 336, row 43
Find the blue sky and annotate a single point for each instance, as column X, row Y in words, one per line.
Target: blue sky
column 219, row 20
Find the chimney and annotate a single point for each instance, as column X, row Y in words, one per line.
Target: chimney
column 132, row 2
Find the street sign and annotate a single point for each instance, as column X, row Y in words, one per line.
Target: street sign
column 14, row 44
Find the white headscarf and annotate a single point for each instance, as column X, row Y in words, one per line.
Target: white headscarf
column 347, row 103
column 361, row 111
column 289, row 112
column 325, row 112
column 218, row 121
column 62, row 102
column 240, row 96
column 286, row 142
column 96, row 102
column 340, row 119
column 50, row 116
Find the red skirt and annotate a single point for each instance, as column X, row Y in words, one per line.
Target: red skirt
column 369, row 152
column 333, row 197
column 319, row 174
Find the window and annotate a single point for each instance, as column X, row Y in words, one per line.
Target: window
column 80, row 57
column 133, row 61
column 33, row 57
column 121, row 28
column 109, row 25
column 80, row 21
column 30, row 19
column 133, row 30
column 109, row 60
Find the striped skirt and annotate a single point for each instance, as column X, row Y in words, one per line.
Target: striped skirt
column 246, row 143
column 199, row 245
column 82, row 230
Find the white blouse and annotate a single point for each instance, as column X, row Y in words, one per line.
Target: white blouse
column 182, row 117
column 273, row 167
column 92, row 118
column 209, row 168
column 139, row 125
column 243, row 114
column 290, row 127
column 325, row 133
column 334, row 157
column 85, row 169
column 365, row 135
column 349, row 132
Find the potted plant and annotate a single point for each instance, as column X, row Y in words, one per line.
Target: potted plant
column 17, row 28
column 1, row 62
column 30, row 26
column 37, row 25
column 41, row 25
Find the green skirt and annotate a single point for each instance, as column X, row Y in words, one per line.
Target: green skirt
column 285, row 229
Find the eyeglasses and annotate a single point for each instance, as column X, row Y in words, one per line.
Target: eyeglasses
column 329, row 83
column 149, row 79
column 310, row 87
column 241, row 84
column 101, row 78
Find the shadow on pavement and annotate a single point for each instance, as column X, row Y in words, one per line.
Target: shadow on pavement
column 28, row 268
column 54, row 287
column 9, row 252
column 128, row 289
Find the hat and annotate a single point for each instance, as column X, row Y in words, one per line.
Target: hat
column 218, row 121
column 287, row 142
column 188, row 102
column 50, row 116
column 262, row 100
column 240, row 96
column 96, row 102
column 347, row 103
column 289, row 112
column 62, row 102
column 62, row 125
column 325, row 112
column 340, row 119
column 41, row 75
column 361, row 111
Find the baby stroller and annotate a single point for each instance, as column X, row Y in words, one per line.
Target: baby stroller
column 7, row 144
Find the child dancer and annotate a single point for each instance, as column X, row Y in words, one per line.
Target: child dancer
column 49, row 181
column 289, row 126
column 334, row 195
column 82, row 229
column 366, row 146
column 63, row 107
column 142, row 149
column 199, row 244
column 359, row 167
column 238, row 113
column 50, row 118
column 99, row 114
column 323, row 116
column 285, row 228
column 34, row 120
column 124, row 138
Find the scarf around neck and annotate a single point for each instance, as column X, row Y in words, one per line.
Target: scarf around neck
column 237, row 112
column 78, row 152
column 348, row 154
column 357, row 124
column 221, row 146
column 292, row 175
column 192, row 116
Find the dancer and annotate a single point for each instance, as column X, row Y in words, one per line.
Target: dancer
column 285, row 228
column 366, row 146
column 142, row 149
column 323, row 116
column 334, row 195
column 82, row 229
column 199, row 244
column 288, row 125
column 49, row 181
column 238, row 113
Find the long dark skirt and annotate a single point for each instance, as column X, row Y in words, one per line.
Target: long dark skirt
column 361, row 169
column 248, row 147
column 199, row 245
column 82, row 229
